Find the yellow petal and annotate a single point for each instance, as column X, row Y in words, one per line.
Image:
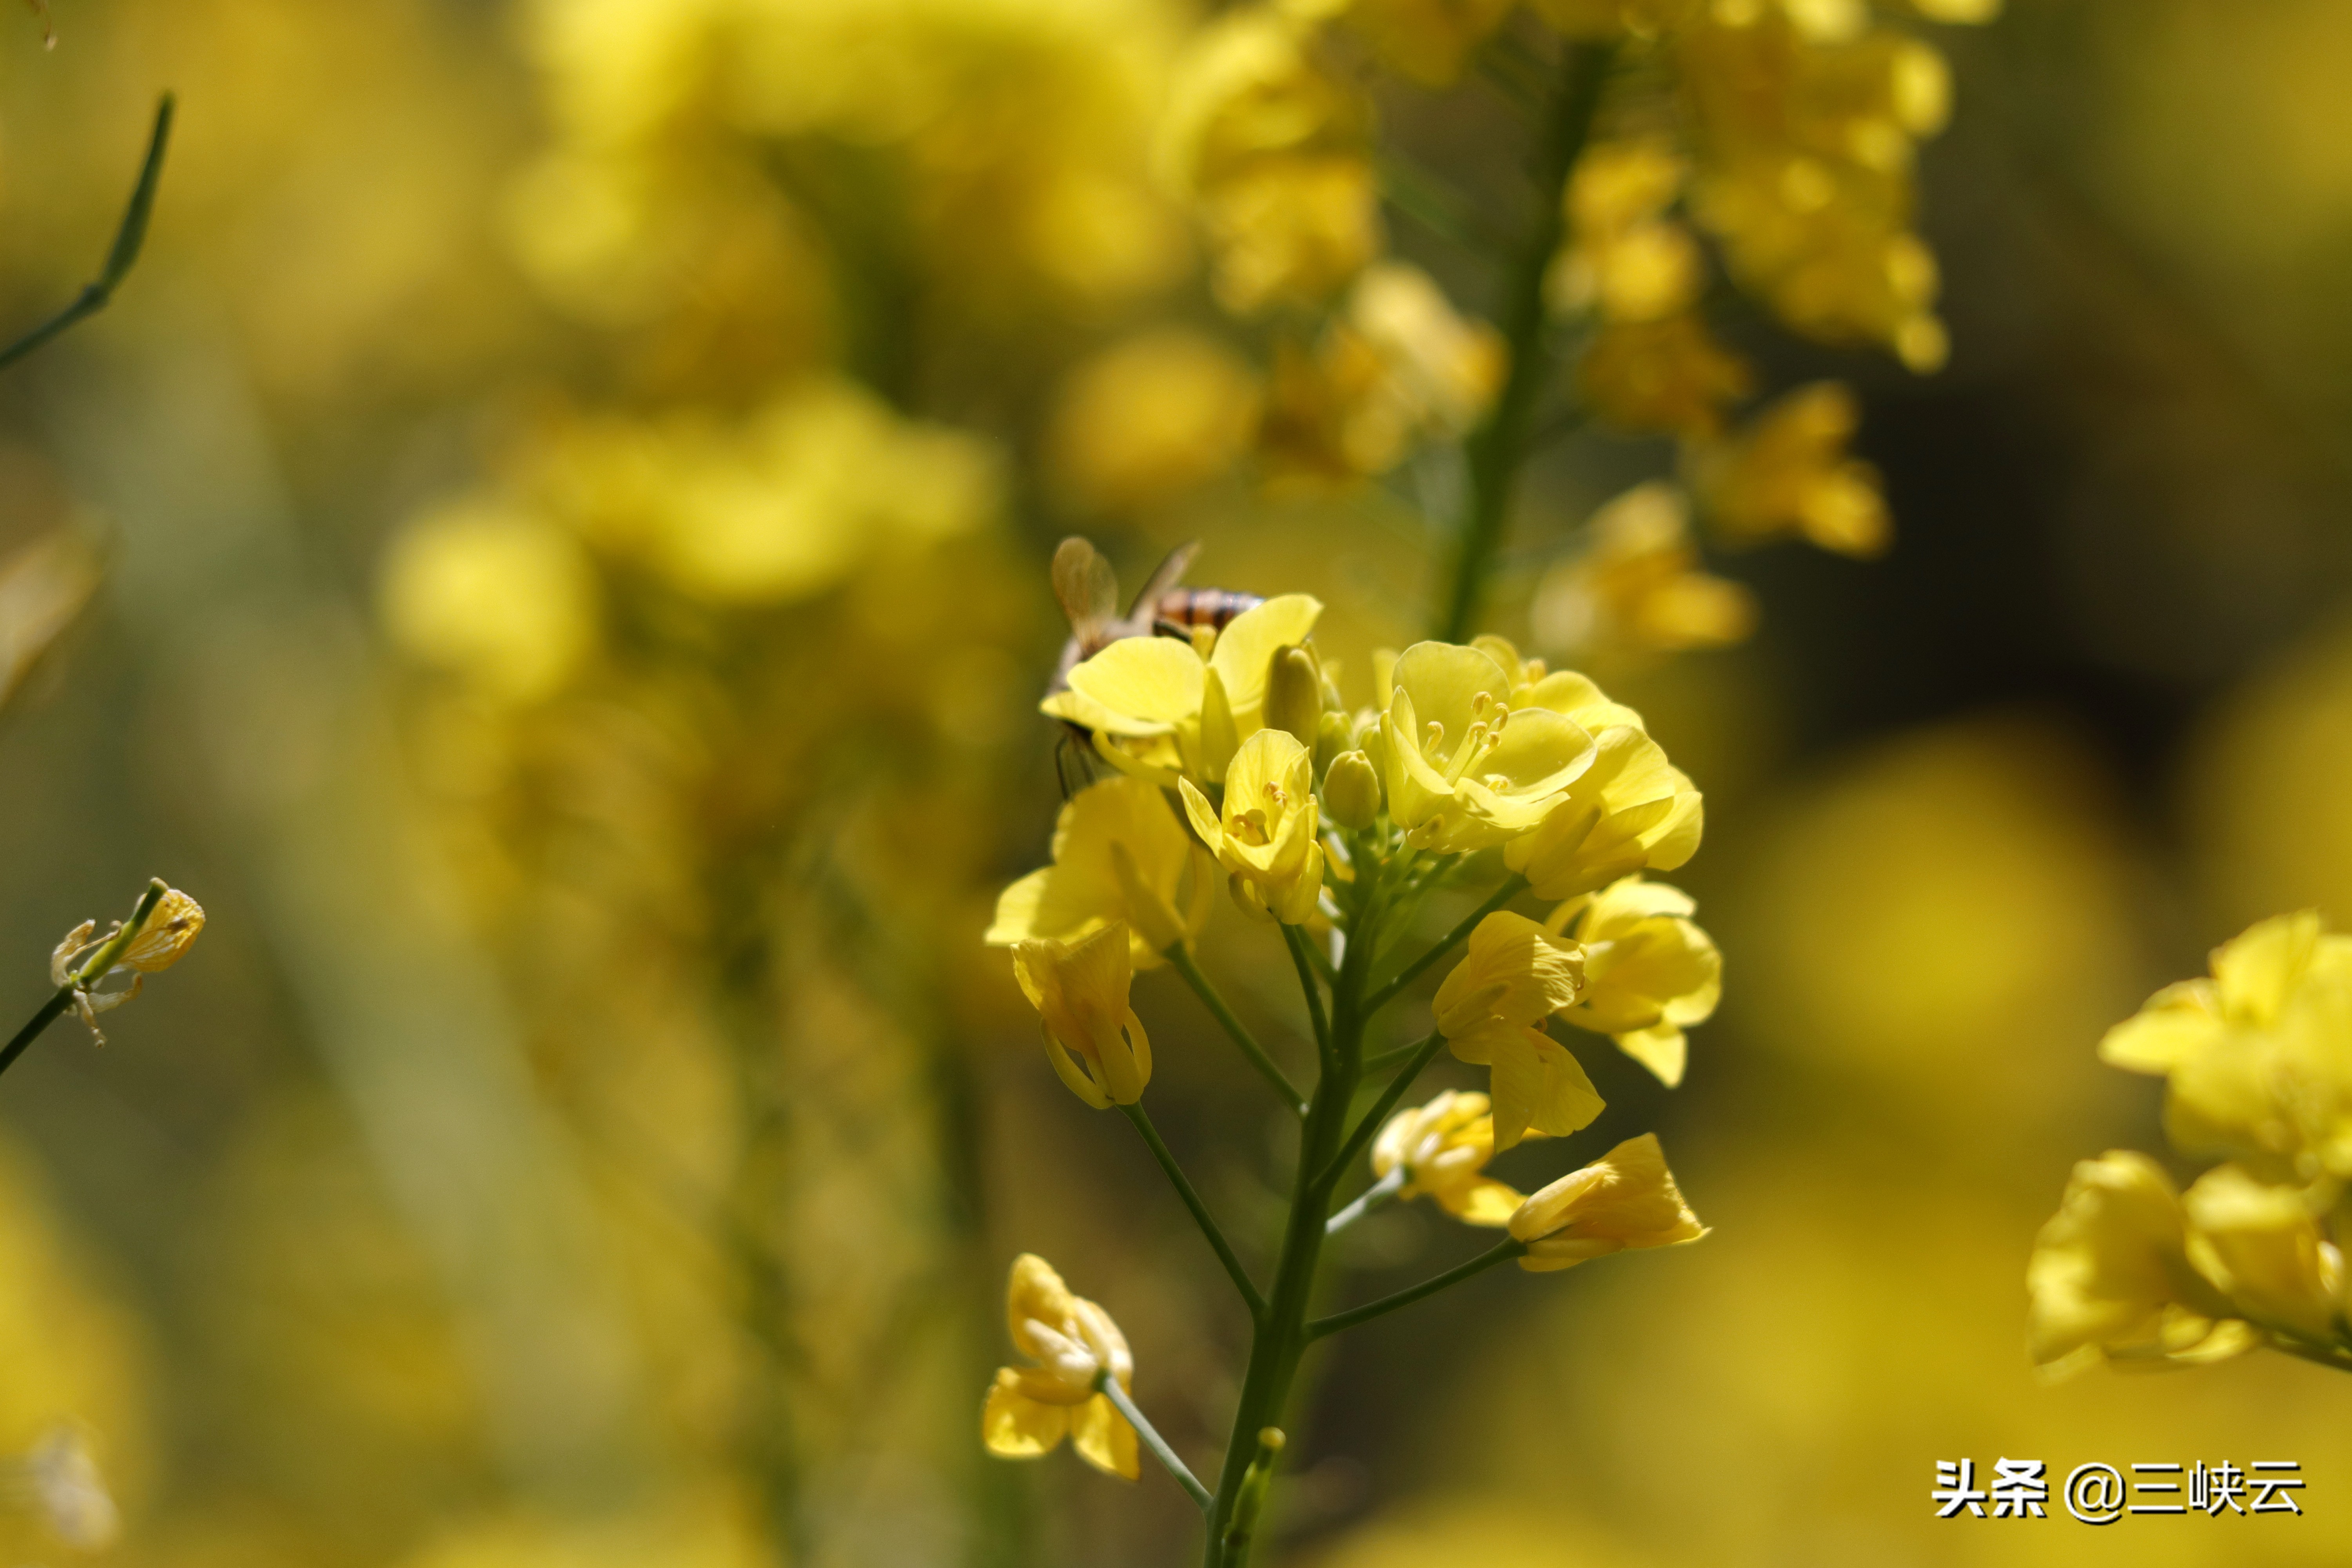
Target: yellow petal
column 1151, row 684
column 2255, row 971
column 1245, row 648
column 1483, row 1201
column 1104, row 1438
column 2174, row 1025
column 1661, row 1049
column 1015, row 1426
column 1537, row 1083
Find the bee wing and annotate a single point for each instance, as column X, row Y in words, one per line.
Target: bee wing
column 1170, row 572
column 1085, row 584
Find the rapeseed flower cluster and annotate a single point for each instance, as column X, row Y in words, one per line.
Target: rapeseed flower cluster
column 1335, row 827
column 2257, row 1064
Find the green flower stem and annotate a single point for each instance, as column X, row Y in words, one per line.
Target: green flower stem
column 1281, row 1338
column 91, row 971
column 1494, row 451
column 1368, row 1200
column 1512, row 888
column 1182, row 960
column 127, row 239
column 1421, row 1056
column 1501, row 1252
column 1217, row 1242
column 1302, row 960
column 1108, row 1387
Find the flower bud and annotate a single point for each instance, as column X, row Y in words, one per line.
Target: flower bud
column 1293, row 694
column 1333, row 735
column 1351, row 791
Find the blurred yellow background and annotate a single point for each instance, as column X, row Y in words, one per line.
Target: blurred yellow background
column 578, row 477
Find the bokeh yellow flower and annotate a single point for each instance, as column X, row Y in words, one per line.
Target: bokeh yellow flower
column 2261, row 1247
column 1271, row 149
column 2110, row 1274
column 1788, row 471
column 1031, row 1409
column 1671, row 375
column 1120, row 855
column 1266, row 831
column 1649, row 971
column 1490, row 1007
column 1093, row 1037
column 2258, row 1058
column 1441, row 1149
column 503, row 599
column 1626, row 1199
column 1153, row 415
column 1636, row 586
column 1625, row 260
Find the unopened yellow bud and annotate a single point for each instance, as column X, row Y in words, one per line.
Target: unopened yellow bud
column 1294, row 695
column 1351, row 791
column 162, row 926
column 1333, row 733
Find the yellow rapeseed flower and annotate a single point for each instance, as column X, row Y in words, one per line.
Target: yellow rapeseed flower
column 1637, row 587
column 1120, row 855
column 1273, row 151
column 1149, row 418
column 2110, row 1274
column 1163, row 690
column 1093, row 1038
column 1625, row 259
column 1031, row 1409
column 1463, row 770
column 492, row 594
column 1649, row 970
column 1788, row 472
column 1265, row 833
column 2259, row 1056
column 2260, row 1245
column 1672, row 376
column 1626, row 1199
column 1443, row 1149
column 1512, row 976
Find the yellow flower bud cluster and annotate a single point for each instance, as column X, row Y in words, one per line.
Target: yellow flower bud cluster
column 2257, row 1060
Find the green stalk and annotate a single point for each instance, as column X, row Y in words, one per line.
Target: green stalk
column 1281, row 1336
column 1501, row 1252
column 1494, row 451
column 1201, row 1215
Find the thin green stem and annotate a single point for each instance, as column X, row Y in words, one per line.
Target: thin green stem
column 1181, row 961
column 1494, row 451
column 90, row 970
column 1421, row 1056
column 1108, row 1387
column 1208, row 1224
column 1308, row 982
column 1383, row 995
column 1501, row 1252
column 127, row 239
column 1368, row 1200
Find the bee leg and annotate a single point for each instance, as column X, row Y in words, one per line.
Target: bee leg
column 1073, row 761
